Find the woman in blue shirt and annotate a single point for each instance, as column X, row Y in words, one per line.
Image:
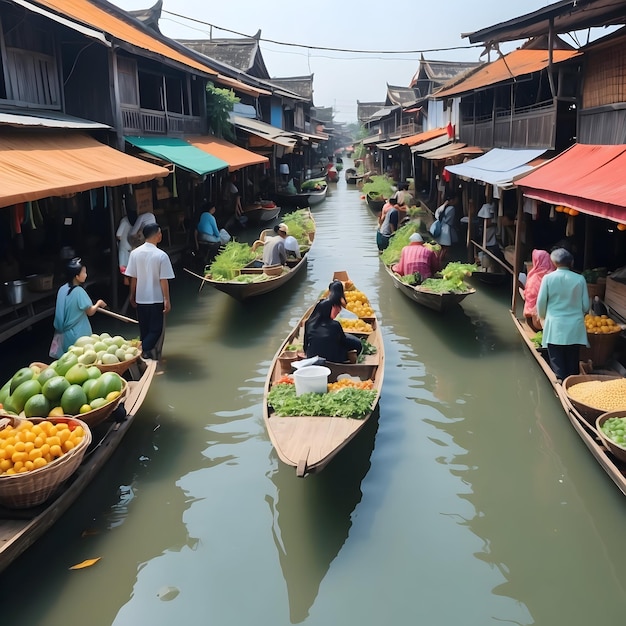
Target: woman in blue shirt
column 207, row 227
column 74, row 306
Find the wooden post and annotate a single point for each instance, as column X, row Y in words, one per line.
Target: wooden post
column 516, row 257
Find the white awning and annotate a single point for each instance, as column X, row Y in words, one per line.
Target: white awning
column 49, row 119
column 498, row 167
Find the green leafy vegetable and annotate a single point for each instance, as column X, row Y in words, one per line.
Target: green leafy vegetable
column 349, row 402
column 227, row 263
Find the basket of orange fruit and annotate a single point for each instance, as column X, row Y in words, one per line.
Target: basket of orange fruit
column 37, row 455
column 602, row 334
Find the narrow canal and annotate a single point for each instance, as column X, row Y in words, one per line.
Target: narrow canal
column 468, row 501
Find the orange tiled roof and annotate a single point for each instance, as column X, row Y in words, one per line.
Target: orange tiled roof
column 516, row 63
column 414, row 140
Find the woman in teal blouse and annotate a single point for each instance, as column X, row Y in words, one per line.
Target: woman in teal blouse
column 562, row 303
column 73, row 306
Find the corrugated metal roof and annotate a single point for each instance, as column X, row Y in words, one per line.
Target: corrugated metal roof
column 451, row 150
column 498, row 167
column 512, row 65
column 99, row 18
column 265, row 131
column 48, row 119
column 588, row 178
column 414, row 140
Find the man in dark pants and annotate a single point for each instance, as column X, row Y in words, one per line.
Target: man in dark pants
column 149, row 270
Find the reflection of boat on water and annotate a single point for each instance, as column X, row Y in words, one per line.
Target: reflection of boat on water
column 312, row 519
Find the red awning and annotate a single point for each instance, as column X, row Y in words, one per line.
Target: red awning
column 588, row 178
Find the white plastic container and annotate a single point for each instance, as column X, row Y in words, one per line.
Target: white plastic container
column 311, row 379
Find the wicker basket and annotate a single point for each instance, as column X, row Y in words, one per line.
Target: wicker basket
column 590, row 413
column 118, row 368
column 21, row 491
column 610, row 445
column 273, row 270
column 97, row 416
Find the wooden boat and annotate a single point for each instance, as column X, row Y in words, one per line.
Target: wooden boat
column 374, row 203
column 243, row 291
column 586, row 430
column 352, row 176
column 303, row 199
column 332, row 174
column 310, row 443
column 261, row 212
column 20, row 528
column 429, row 299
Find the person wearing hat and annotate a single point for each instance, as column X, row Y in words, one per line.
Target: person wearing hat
column 416, row 258
column 292, row 247
column 150, row 269
column 274, row 252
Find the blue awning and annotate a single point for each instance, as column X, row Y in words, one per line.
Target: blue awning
column 180, row 153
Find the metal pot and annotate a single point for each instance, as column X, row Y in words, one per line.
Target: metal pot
column 14, row 290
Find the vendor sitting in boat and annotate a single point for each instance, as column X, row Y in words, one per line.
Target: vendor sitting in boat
column 292, row 247
column 416, row 258
column 323, row 335
column 274, row 252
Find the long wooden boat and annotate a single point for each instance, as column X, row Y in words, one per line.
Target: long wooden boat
column 258, row 213
column 20, row 528
column 309, row 443
column 374, row 204
column 302, row 200
column 243, row 291
column 430, row 299
column 352, row 176
column 614, row 467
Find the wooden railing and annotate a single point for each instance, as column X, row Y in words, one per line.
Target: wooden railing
column 532, row 127
column 140, row 121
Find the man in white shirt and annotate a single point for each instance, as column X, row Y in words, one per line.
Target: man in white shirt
column 149, row 269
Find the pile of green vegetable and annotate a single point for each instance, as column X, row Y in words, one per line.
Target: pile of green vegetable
column 378, row 187
column 537, row 339
column 300, row 225
column 349, row 402
column 313, row 184
column 452, row 280
column 227, row 263
column 392, row 253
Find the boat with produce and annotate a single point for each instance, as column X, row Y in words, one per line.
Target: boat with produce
column 260, row 212
column 438, row 293
column 22, row 523
column 594, row 402
column 312, row 192
column 309, row 430
column 234, row 270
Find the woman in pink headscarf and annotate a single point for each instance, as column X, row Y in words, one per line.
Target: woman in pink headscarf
column 542, row 265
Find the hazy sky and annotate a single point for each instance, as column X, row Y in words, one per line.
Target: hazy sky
column 340, row 79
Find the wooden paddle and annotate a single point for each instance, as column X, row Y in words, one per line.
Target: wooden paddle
column 117, row 316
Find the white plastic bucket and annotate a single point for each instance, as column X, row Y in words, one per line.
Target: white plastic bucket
column 311, row 379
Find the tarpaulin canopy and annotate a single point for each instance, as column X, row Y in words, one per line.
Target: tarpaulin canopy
column 498, row 167
column 413, row 140
column 180, row 153
column 39, row 165
column 430, row 145
column 235, row 156
column 450, row 150
column 270, row 133
column 588, row 178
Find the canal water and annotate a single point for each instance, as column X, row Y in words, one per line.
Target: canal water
column 468, row 500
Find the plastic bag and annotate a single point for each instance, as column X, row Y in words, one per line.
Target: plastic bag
column 435, row 229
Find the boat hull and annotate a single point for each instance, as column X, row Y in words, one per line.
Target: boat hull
column 262, row 214
column 429, row 299
column 19, row 532
column 374, row 205
column 309, row 443
column 615, row 468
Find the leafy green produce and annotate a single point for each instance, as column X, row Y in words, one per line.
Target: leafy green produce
column 452, row 280
column 378, row 186
column 349, row 402
column 412, row 279
column 392, row 253
column 615, row 429
column 300, row 225
column 538, row 339
column 234, row 256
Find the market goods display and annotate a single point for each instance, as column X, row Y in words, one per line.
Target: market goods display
column 28, row 446
column 601, row 325
column 603, row 395
column 52, row 451
column 104, row 350
column 347, row 401
column 615, row 429
column 358, row 303
column 66, row 387
column 392, row 253
column 355, row 326
column 452, row 279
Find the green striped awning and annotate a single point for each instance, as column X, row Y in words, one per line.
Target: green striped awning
column 180, row 153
